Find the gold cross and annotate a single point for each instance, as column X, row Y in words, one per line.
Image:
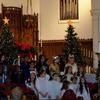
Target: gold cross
column 6, row 21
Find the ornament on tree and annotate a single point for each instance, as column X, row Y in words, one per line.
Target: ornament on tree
column 6, row 21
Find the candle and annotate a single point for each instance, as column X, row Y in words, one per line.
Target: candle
column 86, row 69
column 89, row 69
column 35, row 57
column 41, row 42
column 99, row 47
column 18, row 60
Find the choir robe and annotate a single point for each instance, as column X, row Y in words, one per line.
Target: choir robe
column 85, row 94
column 42, row 86
column 69, row 76
column 54, row 89
column 32, row 87
column 74, row 67
column 62, row 93
column 73, row 87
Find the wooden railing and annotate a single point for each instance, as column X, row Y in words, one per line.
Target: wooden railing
column 52, row 48
column 87, row 50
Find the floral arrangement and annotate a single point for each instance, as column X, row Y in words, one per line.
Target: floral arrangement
column 24, row 49
column 6, row 88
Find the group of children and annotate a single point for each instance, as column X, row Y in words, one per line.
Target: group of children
column 48, row 82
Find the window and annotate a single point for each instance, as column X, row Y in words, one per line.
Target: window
column 69, row 9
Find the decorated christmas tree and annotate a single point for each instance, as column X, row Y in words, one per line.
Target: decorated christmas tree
column 7, row 44
column 72, row 45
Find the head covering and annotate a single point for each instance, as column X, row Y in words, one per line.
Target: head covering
column 56, row 59
column 61, row 73
column 33, row 72
column 71, row 56
column 68, row 65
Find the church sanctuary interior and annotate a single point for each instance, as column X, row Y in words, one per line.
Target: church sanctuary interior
column 49, row 49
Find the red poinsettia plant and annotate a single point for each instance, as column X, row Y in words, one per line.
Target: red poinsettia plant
column 25, row 49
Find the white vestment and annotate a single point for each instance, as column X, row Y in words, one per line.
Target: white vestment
column 73, row 87
column 85, row 94
column 42, row 86
column 54, row 89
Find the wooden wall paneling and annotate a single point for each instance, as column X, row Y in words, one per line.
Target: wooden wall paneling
column 1, row 22
column 30, row 29
column 55, row 47
column 35, row 30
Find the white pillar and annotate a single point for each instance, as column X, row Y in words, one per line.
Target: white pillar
column 96, row 34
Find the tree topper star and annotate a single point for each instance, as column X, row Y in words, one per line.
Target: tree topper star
column 69, row 23
column 6, row 21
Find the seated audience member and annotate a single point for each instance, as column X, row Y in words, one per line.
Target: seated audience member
column 71, row 62
column 83, row 90
column 66, row 93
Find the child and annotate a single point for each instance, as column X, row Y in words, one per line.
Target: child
column 55, row 87
column 83, row 89
column 66, row 93
column 68, row 73
column 73, row 86
column 42, row 86
column 31, row 82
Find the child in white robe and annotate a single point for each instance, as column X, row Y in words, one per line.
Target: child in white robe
column 30, row 83
column 74, row 86
column 83, row 90
column 42, row 86
column 71, row 62
column 65, row 86
column 55, row 87
column 68, row 73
